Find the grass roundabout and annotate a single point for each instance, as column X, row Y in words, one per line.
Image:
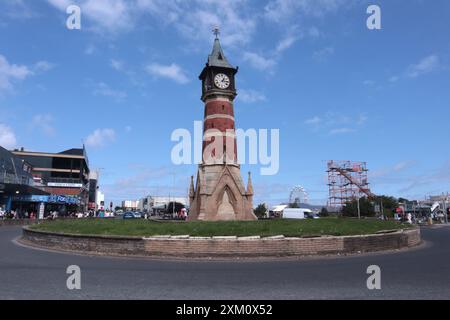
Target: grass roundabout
column 267, row 228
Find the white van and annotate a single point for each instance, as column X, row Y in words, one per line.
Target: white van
column 290, row 213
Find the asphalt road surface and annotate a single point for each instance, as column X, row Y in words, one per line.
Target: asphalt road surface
column 421, row 273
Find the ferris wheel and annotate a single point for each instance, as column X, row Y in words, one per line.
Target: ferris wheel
column 298, row 195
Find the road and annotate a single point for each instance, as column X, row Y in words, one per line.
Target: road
column 420, row 273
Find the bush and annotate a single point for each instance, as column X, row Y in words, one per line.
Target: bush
column 351, row 208
column 260, row 211
column 324, row 212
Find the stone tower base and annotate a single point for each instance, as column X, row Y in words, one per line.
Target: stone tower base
column 220, row 195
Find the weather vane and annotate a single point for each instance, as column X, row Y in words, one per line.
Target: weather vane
column 216, row 31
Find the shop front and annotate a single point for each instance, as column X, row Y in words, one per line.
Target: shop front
column 43, row 206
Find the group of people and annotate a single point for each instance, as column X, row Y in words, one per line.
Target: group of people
column 13, row 214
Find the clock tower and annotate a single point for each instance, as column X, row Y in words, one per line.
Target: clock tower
column 219, row 193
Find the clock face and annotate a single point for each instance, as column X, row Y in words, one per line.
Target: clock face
column 221, row 81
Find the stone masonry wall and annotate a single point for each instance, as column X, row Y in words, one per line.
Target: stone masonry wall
column 185, row 246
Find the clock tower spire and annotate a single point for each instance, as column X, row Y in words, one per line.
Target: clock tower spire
column 220, row 193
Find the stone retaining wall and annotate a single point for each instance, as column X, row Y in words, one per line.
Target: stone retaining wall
column 185, row 246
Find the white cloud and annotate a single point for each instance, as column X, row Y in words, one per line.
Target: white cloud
column 7, row 137
column 43, row 66
column 286, row 43
column 251, row 96
column 259, row 62
column 294, row 34
column 44, row 122
column 313, row 32
column 90, row 50
column 281, row 11
column 337, row 123
column 106, row 15
column 390, row 173
column 342, row 130
column 102, row 89
column 323, row 54
column 17, row 9
column 394, row 79
column 369, row 83
column 313, row 121
column 117, row 65
column 173, row 72
column 100, row 138
column 10, row 73
column 402, row 165
column 60, row 4
column 193, row 19
column 362, row 119
column 426, row 65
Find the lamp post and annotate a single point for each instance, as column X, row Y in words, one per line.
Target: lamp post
column 173, row 202
column 445, row 208
column 359, row 210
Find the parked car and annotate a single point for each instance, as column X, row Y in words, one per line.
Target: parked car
column 311, row 215
column 129, row 215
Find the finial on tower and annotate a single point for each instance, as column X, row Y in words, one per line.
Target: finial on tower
column 250, row 185
column 191, row 189
column 216, row 31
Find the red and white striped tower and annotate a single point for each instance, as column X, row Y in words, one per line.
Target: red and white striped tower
column 220, row 193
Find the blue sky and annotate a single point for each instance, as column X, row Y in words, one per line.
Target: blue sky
column 310, row 68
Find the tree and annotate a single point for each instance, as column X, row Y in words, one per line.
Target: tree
column 324, row 212
column 260, row 211
column 351, row 208
column 389, row 203
column 403, row 200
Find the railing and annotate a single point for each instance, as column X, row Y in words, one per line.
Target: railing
column 8, row 178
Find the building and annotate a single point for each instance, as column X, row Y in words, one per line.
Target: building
column 64, row 174
column 150, row 203
column 100, row 200
column 17, row 186
column 130, row 205
column 93, row 190
column 219, row 192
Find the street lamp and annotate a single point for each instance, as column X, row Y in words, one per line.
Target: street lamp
column 173, row 204
column 359, row 210
column 444, row 207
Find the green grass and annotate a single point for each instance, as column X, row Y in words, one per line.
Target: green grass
column 289, row 228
